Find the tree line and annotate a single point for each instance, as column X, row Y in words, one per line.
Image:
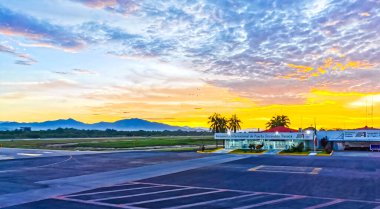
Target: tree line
column 76, row 133
column 222, row 124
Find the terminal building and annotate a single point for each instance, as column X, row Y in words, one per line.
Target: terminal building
column 365, row 138
column 281, row 138
column 275, row 138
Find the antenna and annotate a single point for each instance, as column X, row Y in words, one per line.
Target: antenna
column 366, row 111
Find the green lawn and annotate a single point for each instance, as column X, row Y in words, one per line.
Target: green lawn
column 210, row 150
column 323, row 153
column 287, row 152
column 108, row 143
column 247, row 151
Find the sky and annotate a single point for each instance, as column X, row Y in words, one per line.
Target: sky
column 178, row 62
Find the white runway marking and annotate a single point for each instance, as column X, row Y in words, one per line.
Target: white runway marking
column 41, row 166
column 172, row 198
column 211, row 201
column 108, row 191
column 29, row 154
column 175, row 199
column 4, row 157
column 271, row 202
column 286, row 169
column 326, row 204
column 143, row 194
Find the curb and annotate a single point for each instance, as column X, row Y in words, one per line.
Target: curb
column 293, row 154
column 326, row 155
column 247, row 153
column 210, row 151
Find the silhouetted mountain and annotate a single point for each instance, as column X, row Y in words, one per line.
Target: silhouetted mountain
column 133, row 124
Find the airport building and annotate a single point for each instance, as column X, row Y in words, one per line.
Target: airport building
column 275, row 138
column 365, row 138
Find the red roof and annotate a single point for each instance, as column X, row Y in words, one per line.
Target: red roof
column 281, row 129
column 366, row 128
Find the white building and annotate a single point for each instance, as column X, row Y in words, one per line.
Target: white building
column 275, row 138
column 283, row 138
column 362, row 138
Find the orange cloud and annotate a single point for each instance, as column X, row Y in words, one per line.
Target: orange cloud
column 305, row 72
column 301, row 68
column 364, row 14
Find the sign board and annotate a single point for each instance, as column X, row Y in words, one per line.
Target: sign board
column 264, row 136
column 361, row 135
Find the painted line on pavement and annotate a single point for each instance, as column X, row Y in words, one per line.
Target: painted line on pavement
column 40, row 166
column 272, row 202
column 110, row 191
column 141, row 194
column 211, row 201
column 286, row 169
column 326, row 204
column 196, row 187
column 171, row 198
column 97, row 203
column 69, row 185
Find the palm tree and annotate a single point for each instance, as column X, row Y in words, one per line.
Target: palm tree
column 222, row 124
column 234, row 123
column 218, row 123
column 279, row 120
column 213, row 120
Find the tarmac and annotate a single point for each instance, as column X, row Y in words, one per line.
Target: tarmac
column 189, row 180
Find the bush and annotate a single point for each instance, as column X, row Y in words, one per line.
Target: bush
column 299, row 148
column 324, row 142
column 260, row 146
column 251, row 147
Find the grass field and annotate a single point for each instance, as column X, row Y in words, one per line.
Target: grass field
column 245, row 151
column 109, row 143
column 285, row 152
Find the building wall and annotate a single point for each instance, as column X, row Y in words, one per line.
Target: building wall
column 350, row 139
column 268, row 144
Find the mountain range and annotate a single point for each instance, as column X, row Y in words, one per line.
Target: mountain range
column 133, row 124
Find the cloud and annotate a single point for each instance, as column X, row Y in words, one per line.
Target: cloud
column 84, row 71
column 53, row 85
column 307, row 72
column 253, row 48
column 41, row 32
column 272, row 52
column 124, row 7
column 25, row 58
column 77, row 71
column 366, row 101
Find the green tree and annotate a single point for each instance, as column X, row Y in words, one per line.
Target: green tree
column 222, row 125
column 279, row 120
column 218, row 123
column 234, row 123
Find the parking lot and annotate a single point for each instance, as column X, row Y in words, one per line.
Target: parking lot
column 190, row 180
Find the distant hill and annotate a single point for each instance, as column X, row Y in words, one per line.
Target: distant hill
column 133, row 124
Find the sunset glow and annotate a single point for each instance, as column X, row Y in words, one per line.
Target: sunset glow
column 177, row 62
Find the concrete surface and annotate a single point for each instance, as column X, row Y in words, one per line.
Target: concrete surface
column 189, row 180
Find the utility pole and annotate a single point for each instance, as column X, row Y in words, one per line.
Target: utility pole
column 372, row 112
column 366, row 112
column 315, row 139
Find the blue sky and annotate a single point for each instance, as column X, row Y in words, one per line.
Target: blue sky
column 179, row 61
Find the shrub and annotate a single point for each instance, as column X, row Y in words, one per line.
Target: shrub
column 324, row 142
column 299, row 148
column 251, row 147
